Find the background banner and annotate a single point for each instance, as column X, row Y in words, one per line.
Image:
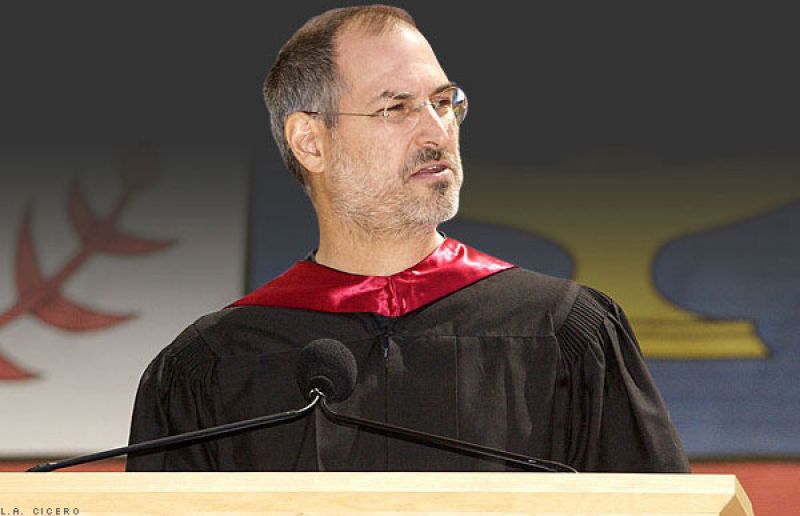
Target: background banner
column 106, row 253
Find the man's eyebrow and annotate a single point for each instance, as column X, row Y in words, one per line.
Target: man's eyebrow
column 387, row 94
column 445, row 86
column 401, row 95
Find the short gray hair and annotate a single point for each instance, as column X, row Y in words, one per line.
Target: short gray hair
column 304, row 76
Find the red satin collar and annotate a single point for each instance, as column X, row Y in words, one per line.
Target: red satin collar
column 311, row 286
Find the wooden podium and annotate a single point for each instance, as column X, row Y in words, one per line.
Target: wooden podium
column 60, row 494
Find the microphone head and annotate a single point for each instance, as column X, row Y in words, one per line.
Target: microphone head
column 327, row 365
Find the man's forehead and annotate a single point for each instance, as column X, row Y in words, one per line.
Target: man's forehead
column 399, row 59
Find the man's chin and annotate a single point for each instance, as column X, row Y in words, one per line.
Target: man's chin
column 443, row 210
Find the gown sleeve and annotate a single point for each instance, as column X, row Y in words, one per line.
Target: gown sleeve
column 167, row 404
column 615, row 419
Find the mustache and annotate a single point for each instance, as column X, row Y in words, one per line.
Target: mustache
column 427, row 155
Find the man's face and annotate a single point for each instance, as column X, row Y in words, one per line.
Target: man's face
column 388, row 179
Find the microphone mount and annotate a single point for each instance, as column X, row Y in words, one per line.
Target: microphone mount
column 174, row 440
column 441, row 441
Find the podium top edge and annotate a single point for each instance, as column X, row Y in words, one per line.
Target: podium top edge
column 629, row 483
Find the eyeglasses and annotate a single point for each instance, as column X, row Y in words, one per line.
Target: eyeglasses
column 399, row 110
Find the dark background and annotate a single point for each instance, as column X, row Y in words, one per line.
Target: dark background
column 549, row 80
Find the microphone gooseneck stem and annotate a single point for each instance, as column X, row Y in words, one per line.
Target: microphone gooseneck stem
column 444, row 442
column 163, row 442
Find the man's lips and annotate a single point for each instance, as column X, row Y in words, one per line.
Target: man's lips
column 432, row 169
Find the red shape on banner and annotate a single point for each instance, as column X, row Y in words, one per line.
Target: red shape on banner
column 100, row 234
column 42, row 296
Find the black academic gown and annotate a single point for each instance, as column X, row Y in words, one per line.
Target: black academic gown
column 514, row 360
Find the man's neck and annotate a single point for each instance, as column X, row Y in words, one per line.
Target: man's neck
column 375, row 256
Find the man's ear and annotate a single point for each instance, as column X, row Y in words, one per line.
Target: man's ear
column 306, row 140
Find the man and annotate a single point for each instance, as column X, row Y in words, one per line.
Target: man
column 448, row 340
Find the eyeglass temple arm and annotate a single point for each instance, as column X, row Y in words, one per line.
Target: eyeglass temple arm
column 340, row 113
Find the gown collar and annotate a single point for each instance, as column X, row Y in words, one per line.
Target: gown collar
column 311, row 286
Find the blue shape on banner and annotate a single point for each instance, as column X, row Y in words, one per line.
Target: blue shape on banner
column 749, row 270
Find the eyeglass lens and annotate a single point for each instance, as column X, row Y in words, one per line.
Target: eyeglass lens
column 450, row 105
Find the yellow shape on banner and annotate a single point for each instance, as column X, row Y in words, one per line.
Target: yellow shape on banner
column 613, row 215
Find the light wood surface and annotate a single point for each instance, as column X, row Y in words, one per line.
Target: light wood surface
column 369, row 493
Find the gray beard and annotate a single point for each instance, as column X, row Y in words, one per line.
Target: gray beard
column 393, row 217
column 390, row 213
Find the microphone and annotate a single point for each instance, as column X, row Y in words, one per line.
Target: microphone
column 329, row 367
column 327, row 370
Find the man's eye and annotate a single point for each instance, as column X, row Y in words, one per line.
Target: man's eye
column 396, row 111
column 442, row 101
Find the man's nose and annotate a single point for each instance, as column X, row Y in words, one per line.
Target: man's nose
column 431, row 128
